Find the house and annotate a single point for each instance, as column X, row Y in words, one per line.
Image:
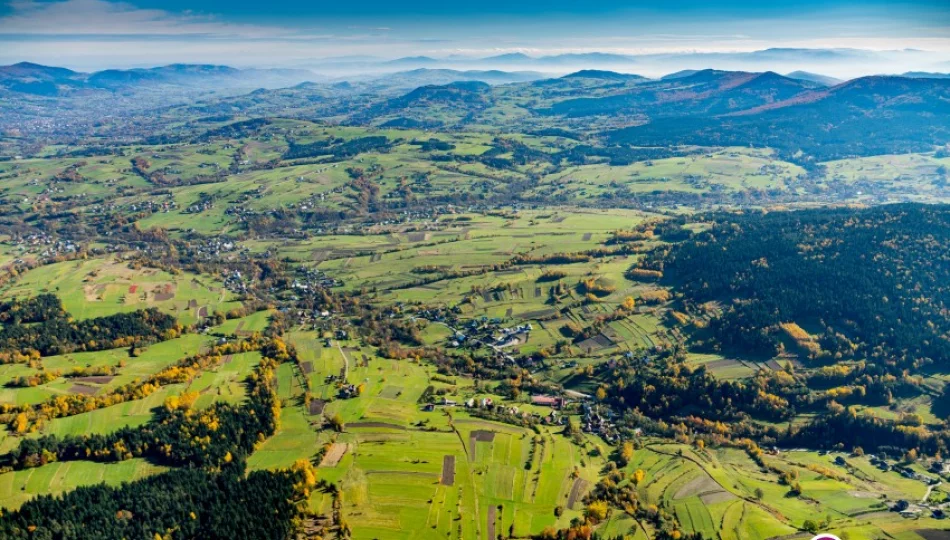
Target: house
column 548, row 401
column 348, row 391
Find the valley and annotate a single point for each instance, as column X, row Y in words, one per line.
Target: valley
column 597, row 305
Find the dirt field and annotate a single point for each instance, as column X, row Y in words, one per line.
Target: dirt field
column 374, row 425
column 83, row 389
column 98, row 379
column 706, row 488
column 448, row 470
column 491, row 521
column 479, row 435
column 599, row 341
column 700, row 484
column 334, row 455
column 483, row 435
column 577, row 492
column 317, row 406
column 167, row 293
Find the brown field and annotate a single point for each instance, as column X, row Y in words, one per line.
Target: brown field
column 491, row 521
column 334, row 455
column 83, row 389
column 98, row 379
column 384, row 425
column 317, row 406
column 577, row 492
column 448, row 470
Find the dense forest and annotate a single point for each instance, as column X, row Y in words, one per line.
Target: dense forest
column 55, row 333
column 180, row 504
column 844, row 283
column 40, row 308
column 220, row 436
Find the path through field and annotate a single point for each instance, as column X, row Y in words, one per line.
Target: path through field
column 346, row 362
column 930, row 489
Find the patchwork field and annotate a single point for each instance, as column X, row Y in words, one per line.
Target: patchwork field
column 96, row 287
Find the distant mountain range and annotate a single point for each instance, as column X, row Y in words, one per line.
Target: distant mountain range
column 864, row 116
column 41, row 80
column 706, row 91
column 798, row 112
column 801, row 113
column 823, row 80
column 841, row 62
column 925, row 75
column 425, row 76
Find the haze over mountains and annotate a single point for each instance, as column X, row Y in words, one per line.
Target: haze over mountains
column 838, row 62
column 30, row 78
column 823, row 115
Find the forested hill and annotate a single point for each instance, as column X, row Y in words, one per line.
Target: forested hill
column 856, row 283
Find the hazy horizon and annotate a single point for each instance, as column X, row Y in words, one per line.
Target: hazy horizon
column 91, row 35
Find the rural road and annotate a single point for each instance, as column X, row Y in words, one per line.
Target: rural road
column 346, row 362
column 929, row 490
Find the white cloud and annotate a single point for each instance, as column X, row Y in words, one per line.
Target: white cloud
column 103, row 18
column 92, row 34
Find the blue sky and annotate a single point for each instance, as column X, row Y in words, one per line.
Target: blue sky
column 89, row 34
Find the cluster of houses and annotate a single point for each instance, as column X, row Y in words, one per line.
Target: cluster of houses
column 490, row 333
column 348, row 391
column 311, row 279
column 50, row 246
column 915, row 510
column 508, row 337
column 35, row 239
column 58, row 247
column 904, row 508
column 152, row 206
column 599, row 420
column 881, row 462
column 234, row 282
column 554, row 417
column 200, row 206
column 216, row 246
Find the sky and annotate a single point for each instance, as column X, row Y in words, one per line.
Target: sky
column 96, row 34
